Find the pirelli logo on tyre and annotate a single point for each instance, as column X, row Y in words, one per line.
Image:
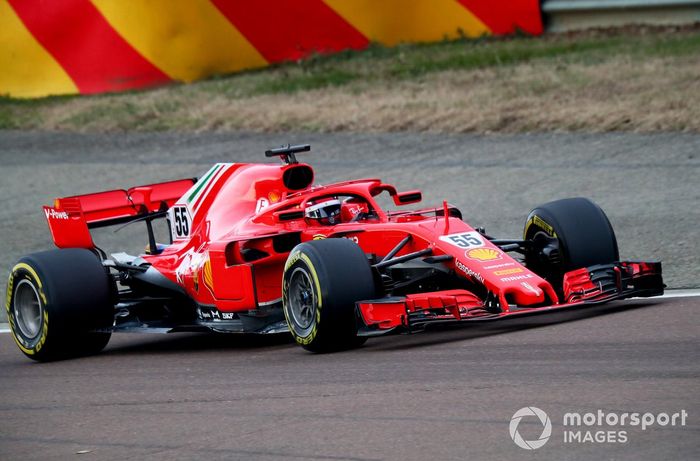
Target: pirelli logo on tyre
column 26, row 275
column 8, row 294
column 293, row 258
column 539, row 222
column 304, row 264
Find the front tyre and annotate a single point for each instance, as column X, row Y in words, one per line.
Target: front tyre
column 323, row 279
column 57, row 301
column 568, row 234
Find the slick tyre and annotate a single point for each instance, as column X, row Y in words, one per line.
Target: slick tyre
column 56, row 300
column 322, row 281
column 577, row 230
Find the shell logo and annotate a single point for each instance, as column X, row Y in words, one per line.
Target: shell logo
column 274, row 196
column 484, row 254
column 207, row 276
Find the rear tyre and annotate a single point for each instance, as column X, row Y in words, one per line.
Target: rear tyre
column 56, row 300
column 569, row 234
column 323, row 279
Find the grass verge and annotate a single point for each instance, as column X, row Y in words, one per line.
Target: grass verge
column 636, row 79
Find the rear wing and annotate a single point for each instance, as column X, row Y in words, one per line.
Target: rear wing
column 71, row 218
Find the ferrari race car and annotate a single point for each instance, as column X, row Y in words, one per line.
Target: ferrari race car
column 257, row 248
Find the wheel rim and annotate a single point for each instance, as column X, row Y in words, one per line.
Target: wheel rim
column 28, row 309
column 302, row 300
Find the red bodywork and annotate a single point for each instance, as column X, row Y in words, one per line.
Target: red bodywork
column 233, row 229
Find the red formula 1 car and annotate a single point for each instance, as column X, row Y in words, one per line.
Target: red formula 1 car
column 258, row 248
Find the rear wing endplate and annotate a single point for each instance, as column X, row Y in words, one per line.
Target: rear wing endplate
column 71, row 218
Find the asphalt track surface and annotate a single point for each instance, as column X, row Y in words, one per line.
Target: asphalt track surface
column 439, row 395
column 446, row 394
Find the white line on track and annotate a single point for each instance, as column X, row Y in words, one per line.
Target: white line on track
column 690, row 293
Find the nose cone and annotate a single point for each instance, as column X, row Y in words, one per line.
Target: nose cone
column 527, row 294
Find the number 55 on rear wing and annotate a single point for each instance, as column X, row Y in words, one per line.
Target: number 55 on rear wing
column 71, row 218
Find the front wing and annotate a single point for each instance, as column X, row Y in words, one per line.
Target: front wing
column 587, row 286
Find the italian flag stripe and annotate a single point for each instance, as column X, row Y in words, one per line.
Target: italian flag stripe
column 210, row 185
column 202, row 182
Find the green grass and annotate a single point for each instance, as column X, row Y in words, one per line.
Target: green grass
column 354, row 71
column 380, row 64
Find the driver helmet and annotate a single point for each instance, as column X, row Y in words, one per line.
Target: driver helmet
column 326, row 212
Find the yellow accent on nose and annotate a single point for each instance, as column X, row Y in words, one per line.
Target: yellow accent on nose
column 483, row 254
